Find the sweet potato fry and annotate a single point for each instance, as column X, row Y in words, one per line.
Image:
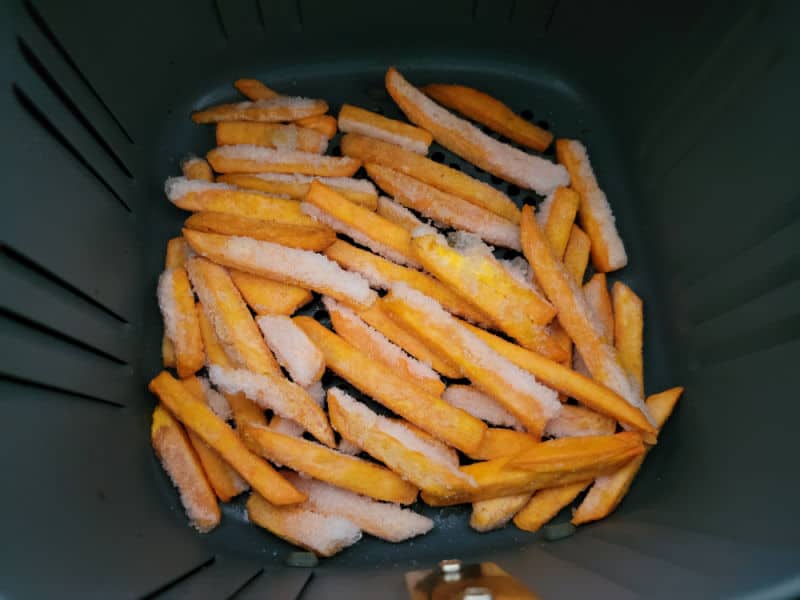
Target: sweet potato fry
column 352, row 329
column 470, row 143
column 228, row 199
column 516, row 390
column 498, row 443
column 577, row 421
column 287, row 265
column 244, row 158
column 575, row 315
column 323, row 535
column 383, row 274
column 253, row 89
column 370, row 150
column 197, row 168
column 428, row 412
column 198, row 417
column 608, row 251
column 176, row 301
column 444, row 207
column 495, row 513
column 609, row 490
column 576, row 256
column 360, row 191
column 267, row 297
column 305, row 237
column 228, row 313
column 400, row 450
column 362, row 225
column 628, row 322
column 547, row 503
column 276, row 393
column 269, row 110
column 184, row 469
column 557, row 216
column 348, row 472
column 294, row 351
column 353, row 119
column 597, row 297
column 489, row 111
column 324, row 124
column 271, row 135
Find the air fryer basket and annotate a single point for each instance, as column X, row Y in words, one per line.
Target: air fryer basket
column 690, row 115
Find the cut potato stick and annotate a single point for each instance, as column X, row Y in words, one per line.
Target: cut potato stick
column 396, row 447
column 324, row 124
column 269, row 110
column 197, row 416
column 557, row 216
column 517, row 390
column 371, row 342
column 628, row 322
column 444, row 207
column 287, row 265
column 228, row 313
column 215, row 352
column 371, row 150
column 576, row 256
column 246, row 158
column 195, row 167
column 498, row 443
column 201, row 388
column 274, row 392
column 426, row 411
column 470, row 143
column 360, row 191
column 489, row 111
column 317, row 461
column 353, row 119
column 324, row 535
column 586, row 391
column 178, row 252
column 548, row 464
column 577, row 421
column 362, row 225
column 597, row 297
column 305, row 237
column 223, row 198
column 609, row 490
column 167, row 352
column 383, row 274
column 574, row 314
column 223, row 478
column 397, row 213
column 294, row 351
column 385, row 521
column 184, row 469
column 268, row 297
column 480, row 406
column 271, row 135
column 176, row 301
column 253, row 89
column 434, row 447
column 495, row 513
column 546, row 504
column 608, row 251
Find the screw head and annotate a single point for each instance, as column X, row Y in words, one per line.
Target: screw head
column 477, row 593
column 451, row 565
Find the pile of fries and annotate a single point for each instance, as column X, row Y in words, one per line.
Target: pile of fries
column 513, row 385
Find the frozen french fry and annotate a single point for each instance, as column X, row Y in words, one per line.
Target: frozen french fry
column 467, row 141
column 228, row 313
column 398, row 448
column 426, row 411
column 176, row 301
column 167, row 352
column 324, row 124
column 577, row 421
column 198, row 417
column 628, row 320
column 608, row 251
column 547, row 503
column 609, row 490
column 324, row 535
column 268, row 297
column 194, row 167
column 360, row 191
column 268, row 110
column 498, row 442
column 576, row 255
column 597, row 297
column 383, row 274
column 271, row 135
column 294, row 351
column 223, row 478
column 361, row 224
column 557, row 216
column 184, row 469
column 397, row 213
column 575, row 315
column 276, row 393
column 253, row 89
column 495, row 513
column 215, row 352
column 444, row 207
column 178, row 252
column 317, row 461
column 287, row 265
column 305, row 237
column 371, row 150
column 351, row 328
column 470, row 399
column 433, row 446
column 489, row 111
column 246, row 158
column 202, row 196
column 353, row 119
column 516, row 390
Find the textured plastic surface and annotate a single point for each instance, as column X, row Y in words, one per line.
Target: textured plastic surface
column 690, row 115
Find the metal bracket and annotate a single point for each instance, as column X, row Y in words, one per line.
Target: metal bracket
column 453, row 580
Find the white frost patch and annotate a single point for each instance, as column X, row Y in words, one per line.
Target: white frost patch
column 177, row 187
column 480, row 406
column 292, row 348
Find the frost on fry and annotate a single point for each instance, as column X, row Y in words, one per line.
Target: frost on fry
column 176, row 301
column 295, row 185
column 269, row 110
column 353, row 119
column 293, row 349
column 247, row 158
column 480, row 406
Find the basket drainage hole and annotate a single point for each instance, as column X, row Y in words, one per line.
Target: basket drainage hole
column 455, row 166
column 544, row 125
column 512, row 190
column 527, row 114
column 438, row 157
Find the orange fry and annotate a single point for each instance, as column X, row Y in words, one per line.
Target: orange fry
column 397, row 213
column 576, row 256
column 547, row 503
column 269, row 110
column 271, row 135
column 597, row 297
column 577, row 421
column 628, row 328
column 267, row 297
column 353, row 119
column 176, row 301
column 245, row 158
column 197, row 168
column 324, row 124
column 557, row 216
column 178, row 252
column 495, row 513
column 253, row 89
column 498, row 443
